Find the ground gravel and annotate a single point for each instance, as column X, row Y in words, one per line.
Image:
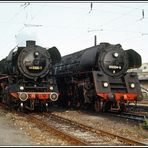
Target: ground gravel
column 122, row 127
column 17, row 131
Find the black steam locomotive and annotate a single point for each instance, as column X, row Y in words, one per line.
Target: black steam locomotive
column 26, row 77
column 98, row 78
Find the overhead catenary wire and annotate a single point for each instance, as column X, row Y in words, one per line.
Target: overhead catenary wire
column 118, row 17
column 38, row 12
column 14, row 16
column 26, row 25
column 129, row 7
column 120, row 31
column 138, row 34
column 24, row 6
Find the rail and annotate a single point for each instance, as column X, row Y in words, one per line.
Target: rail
column 97, row 131
column 46, row 126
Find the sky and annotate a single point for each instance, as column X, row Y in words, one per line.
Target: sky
column 71, row 26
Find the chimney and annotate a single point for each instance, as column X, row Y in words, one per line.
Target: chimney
column 30, row 43
column 95, row 40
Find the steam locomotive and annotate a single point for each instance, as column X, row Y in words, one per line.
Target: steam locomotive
column 98, row 78
column 27, row 80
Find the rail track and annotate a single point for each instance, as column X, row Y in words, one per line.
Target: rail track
column 75, row 133
column 138, row 108
column 38, row 120
column 134, row 112
column 32, row 117
column 90, row 135
column 134, row 116
column 131, row 116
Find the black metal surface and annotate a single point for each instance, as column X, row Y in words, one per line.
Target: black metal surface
column 31, row 61
column 134, row 58
column 111, row 59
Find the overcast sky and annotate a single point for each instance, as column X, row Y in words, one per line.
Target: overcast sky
column 71, row 26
